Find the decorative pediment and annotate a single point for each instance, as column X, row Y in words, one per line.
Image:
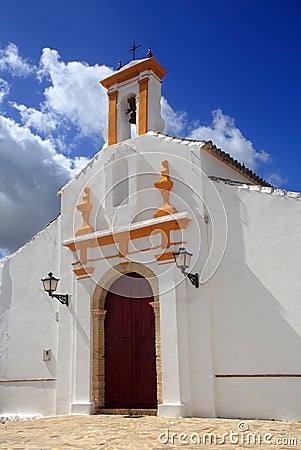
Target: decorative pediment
column 122, row 235
column 165, row 220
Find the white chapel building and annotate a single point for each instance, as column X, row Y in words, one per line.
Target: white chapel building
column 219, row 337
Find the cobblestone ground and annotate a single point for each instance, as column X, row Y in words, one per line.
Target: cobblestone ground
column 124, row 432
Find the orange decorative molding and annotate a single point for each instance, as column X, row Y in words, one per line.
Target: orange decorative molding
column 112, row 122
column 123, row 235
column 165, row 256
column 161, row 256
column 83, row 271
column 165, row 185
column 143, row 106
column 134, row 70
column 85, row 208
column 170, row 261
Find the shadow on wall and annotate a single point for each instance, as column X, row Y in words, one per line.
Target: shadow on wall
column 253, row 332
column 5, row 305
column 78, row 326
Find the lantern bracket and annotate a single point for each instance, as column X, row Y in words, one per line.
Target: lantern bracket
column 50, row 284
column 182, row 260
column 62, row 298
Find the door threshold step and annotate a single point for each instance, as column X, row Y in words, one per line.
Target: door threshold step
column 128, row 411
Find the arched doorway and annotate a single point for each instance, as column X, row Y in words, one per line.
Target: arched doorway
column 130, row 357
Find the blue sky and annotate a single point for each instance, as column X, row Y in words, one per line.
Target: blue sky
column 233, row 77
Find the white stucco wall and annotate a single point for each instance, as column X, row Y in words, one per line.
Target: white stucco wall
column 242, row 321
column 215, row 332
column 28, row 324
column 143, row 155
column 254, row 309
column 259, row 305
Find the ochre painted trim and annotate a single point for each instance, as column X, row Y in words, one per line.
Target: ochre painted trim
column 165, row 185
column 97, row 259
column 85, row 208
column 112, row 119
column 123, row 237
column 147, row 249
column 133, row 71
column 83, row 271
column 143, row 106
column 164, row 256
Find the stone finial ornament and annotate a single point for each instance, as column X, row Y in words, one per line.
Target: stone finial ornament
column 85, row 208
column 149, row 53
column 165, row 185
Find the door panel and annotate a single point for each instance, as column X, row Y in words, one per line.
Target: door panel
column 130, row 345
column 118, row 351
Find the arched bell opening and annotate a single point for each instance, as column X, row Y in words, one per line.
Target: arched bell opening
column 128, row 116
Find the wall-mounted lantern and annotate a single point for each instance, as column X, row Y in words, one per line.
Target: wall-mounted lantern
column 182, row 259
column 50, row 284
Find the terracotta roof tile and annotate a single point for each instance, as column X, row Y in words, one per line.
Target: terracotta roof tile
column 225, row 158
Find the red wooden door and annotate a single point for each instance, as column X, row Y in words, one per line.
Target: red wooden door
column 130, row 375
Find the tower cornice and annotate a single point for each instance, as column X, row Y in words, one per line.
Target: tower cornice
column 132, row 70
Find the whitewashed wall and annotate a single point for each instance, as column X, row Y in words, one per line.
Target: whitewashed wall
column 28, row 324
column 255, row 310
column 144, row 155
column 243, row 320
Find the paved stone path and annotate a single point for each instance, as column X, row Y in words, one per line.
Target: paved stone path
column 124, row 432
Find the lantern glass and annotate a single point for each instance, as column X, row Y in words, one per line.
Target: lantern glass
column 182, row 258
column 50, row 283
column 187, row 259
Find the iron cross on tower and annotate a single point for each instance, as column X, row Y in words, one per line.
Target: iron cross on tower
column 133, row 49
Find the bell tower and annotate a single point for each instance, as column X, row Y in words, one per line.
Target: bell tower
column 134, row 94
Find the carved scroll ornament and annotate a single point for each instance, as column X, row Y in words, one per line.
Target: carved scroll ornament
column 85, row 208
column 165, row 185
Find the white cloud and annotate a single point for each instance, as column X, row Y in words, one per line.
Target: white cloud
column 4, row 89
column 276, row 179
column 31, row 172
column 40, row 121
column 3, row 252
column 75, row 92
column 78, row 163
column 11, row 61
column 32, row 168
column 225, row 135
column 174, row 121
